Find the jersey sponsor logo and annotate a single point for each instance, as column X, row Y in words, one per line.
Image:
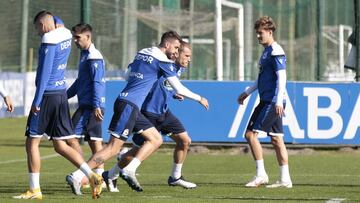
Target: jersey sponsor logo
column 137, row 75
column 65, row 45
column 124, row 94
column 145, row 58
column 102, row 99
column 59, row 83
column 62, row 66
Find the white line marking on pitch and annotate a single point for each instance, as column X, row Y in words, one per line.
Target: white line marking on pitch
column 335, row 200
column 22, row 160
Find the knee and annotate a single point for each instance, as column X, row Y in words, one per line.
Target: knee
column 249, row 135
column 184, row 143
column 158, row 141
column 58, row 149
column 72, row 142
column 276, row 141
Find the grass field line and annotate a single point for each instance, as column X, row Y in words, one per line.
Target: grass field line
column 335, row 200
column 249, row 174
column 22, row 160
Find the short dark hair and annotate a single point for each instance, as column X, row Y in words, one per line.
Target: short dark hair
column 41, row 14
column 81, row 28
column 169, row 36
column 266, row 23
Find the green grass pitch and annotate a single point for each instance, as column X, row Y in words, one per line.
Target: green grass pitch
column 319, row 176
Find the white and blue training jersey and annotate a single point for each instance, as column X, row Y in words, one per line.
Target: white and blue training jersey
column 54, row 52
column 157, row 100
column 148, row 66
column 272, row 61
column 90, row 83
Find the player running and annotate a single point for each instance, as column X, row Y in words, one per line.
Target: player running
column 148, row 66
column 156, row 110
column 267, row 116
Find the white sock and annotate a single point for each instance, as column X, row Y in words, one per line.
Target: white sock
column 78, row 175
column 114, row 172
column 284, row 173
column 133, row 165
column 86, row 169
column 99, row 171
column 176, row 170
column 260, row 168
column 34, row 180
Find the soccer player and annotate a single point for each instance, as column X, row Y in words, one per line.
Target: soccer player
column 267, row 116
column 90, row 90
column 148, row 66
column 156, row 110
column 7, row 99
column 50, row 109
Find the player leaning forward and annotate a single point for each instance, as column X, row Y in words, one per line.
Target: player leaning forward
column 267, row 116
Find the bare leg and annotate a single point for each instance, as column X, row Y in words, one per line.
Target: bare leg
column 33, row 154
column 280, row 149
column 153, row 141
column 74, row 143
column 110, row 150
column 183, row 142
column 255, row 145
column 127, row 157
column 95, row 147
column 68, row 152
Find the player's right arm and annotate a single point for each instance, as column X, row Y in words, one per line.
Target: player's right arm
column 7, row 99
column 47, row 54
column 3, row 92
column 72, row 91
column 247, row 92
column 182, row 90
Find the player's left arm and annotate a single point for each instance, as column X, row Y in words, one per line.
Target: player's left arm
column 45, row 66
column 280, row 62
column 98, row 78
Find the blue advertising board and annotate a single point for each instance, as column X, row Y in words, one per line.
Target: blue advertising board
column 315, row 113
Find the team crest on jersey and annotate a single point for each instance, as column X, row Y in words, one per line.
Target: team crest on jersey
column 281, row 61
column 264, row 56
column 46, row 50
column 96, row 65
column 167, row 85
column 125, row 132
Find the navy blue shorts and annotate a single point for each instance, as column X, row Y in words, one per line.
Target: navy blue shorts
column 165, row 123
column 264, row 119
column 123, row 119
column 86, row 125
column 53, row 119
